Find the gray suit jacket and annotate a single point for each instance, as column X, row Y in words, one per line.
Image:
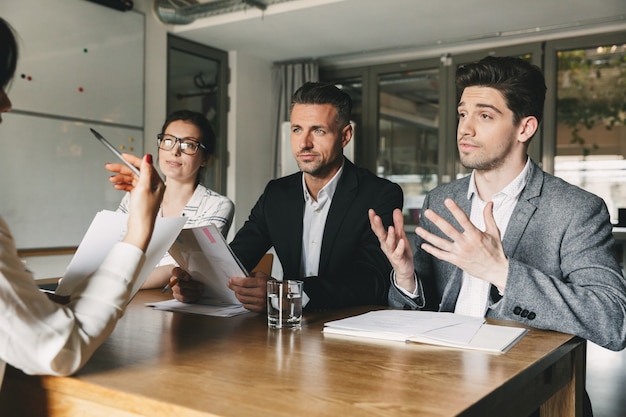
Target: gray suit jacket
column 563, row 274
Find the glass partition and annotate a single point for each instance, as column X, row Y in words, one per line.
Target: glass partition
column 590, row 115
column 197, row 80
column 408, row 140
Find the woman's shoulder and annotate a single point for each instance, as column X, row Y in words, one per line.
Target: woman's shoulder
column 206, row 200
column 203, row 193
column 206, row 207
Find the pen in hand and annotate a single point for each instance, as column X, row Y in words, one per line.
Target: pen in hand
column 115, row 151
column 169, row 285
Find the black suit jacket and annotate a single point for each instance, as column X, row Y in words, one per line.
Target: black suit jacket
column 352, row 270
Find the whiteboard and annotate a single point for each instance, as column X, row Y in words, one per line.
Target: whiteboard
column 53, row 179
column 81, row 65
column 78, row 59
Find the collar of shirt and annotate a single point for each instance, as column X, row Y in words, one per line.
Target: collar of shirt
column 325, row 194
column 512, row 190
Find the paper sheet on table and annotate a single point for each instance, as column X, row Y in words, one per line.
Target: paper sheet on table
column 446, row 329
column 106, row 229
column 204, row 309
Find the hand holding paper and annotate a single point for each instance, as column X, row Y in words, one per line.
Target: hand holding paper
column 106, row 229
column 184, row 288
column 206, row 257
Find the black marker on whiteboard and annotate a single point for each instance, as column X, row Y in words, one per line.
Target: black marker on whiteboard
column 115, row 151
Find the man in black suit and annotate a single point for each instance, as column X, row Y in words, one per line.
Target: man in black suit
column 316, row 219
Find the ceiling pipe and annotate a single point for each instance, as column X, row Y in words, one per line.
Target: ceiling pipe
column 171, row 12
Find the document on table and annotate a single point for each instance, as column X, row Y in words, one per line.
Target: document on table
column 204, row 253
column 106, row 229
column 443, row 329
column 204, row 309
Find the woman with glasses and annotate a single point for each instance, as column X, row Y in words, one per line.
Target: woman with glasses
column 186, row 144
column 39, row 335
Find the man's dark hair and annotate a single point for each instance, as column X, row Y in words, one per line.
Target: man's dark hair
column 521, row 83
column 322, row 93
column 8, row 53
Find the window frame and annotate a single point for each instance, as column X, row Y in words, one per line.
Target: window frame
column 221, row 149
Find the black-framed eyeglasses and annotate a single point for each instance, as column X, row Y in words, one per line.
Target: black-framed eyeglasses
column 187, row 146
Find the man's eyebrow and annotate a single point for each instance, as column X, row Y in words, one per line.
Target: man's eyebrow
column 489, row 106
column 483, row 106
column 313, row 127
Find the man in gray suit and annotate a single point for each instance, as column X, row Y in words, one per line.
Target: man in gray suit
column 510, row 241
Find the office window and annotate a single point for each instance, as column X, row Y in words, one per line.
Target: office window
column 397, row 114
column 408, row 134
column 590, row 117
column 197, row 80
column 582, row 138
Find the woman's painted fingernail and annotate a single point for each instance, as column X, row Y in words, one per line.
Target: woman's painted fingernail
column 149, row 158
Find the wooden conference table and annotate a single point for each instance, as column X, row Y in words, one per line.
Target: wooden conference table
column 179, row 364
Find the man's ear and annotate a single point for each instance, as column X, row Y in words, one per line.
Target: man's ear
column 346, row 135
column 527, row 128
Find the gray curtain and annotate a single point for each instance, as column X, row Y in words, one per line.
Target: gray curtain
column 288, row 77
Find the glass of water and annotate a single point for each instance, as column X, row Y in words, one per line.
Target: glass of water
column 284, row 304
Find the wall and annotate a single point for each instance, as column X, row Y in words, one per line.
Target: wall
column 68, row 81
column 250, row 131
column 155, row 89
column 152, row 113
column 250, row 140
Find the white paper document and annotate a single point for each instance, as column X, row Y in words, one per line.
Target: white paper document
column 444, row 329
column 207, row 310
column 204, row 253
column 106, row 229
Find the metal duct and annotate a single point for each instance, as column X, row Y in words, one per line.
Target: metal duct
column 182, row 12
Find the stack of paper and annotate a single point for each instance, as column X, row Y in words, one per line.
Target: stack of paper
column 106, row 229
column 444, row 329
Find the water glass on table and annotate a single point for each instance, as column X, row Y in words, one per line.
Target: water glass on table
column 284, row 304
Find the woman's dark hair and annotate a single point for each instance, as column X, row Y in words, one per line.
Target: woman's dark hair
column 521, row 83
column 8, row 53
column 323, row 93
column 207, row 136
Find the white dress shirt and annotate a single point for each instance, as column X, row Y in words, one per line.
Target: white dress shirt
column 313, row 224
column 473, row 298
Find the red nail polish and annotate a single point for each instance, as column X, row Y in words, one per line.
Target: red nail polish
column 149, row 158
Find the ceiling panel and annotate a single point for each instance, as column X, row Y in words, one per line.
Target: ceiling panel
column 301, row 29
